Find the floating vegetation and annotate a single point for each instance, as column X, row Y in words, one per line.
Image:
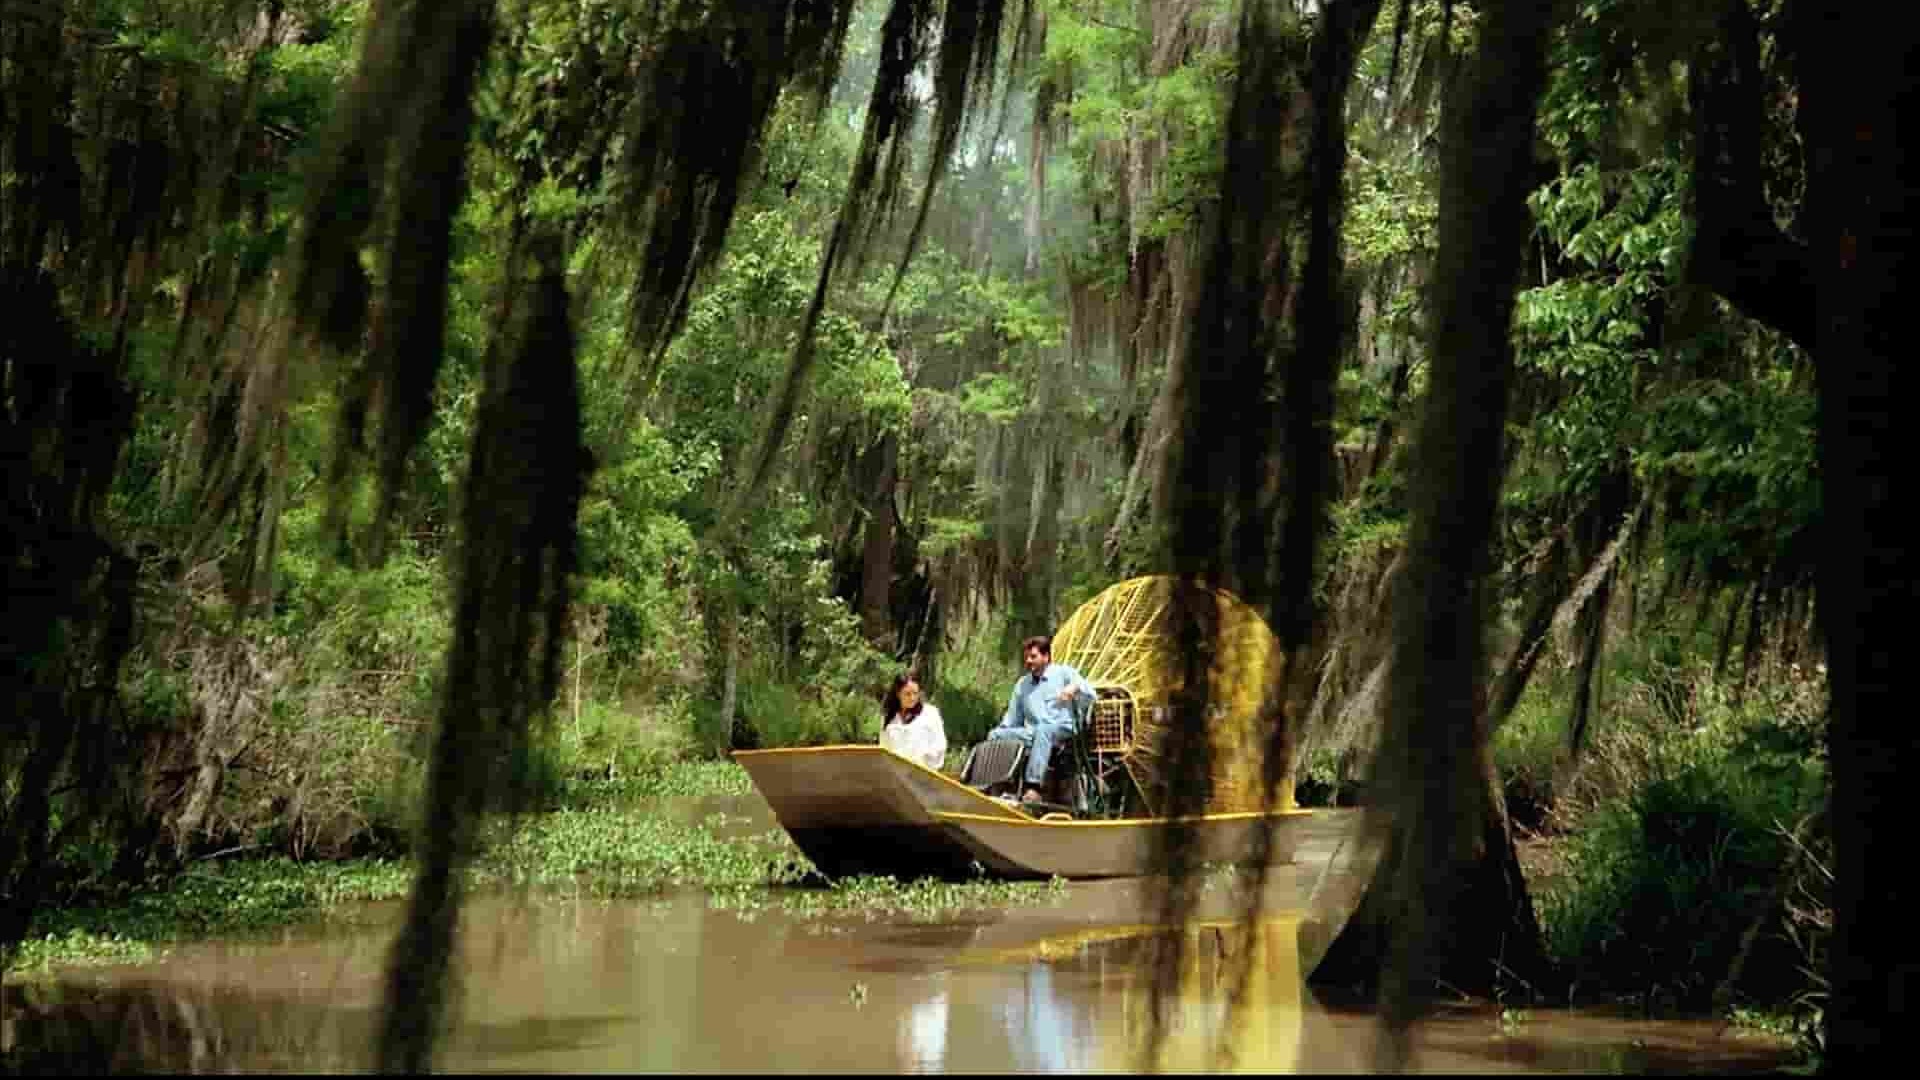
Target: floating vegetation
column 605, row 850
column 228, row 899
column 626, row 852
column 921, row 900
column 682, row 779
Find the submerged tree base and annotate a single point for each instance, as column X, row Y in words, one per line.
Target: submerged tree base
column 1493, row 950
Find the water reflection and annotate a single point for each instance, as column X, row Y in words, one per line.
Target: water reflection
column 1041, row 1027
column 923, row 1033
column 558, row 985
column 1088, row 999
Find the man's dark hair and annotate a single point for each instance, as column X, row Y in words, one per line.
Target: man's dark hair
column 1038, row 641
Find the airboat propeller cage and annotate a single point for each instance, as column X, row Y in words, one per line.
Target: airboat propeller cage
column 1124, row 642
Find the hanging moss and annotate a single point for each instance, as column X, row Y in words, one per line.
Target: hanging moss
column 1261, row 355
column 517, row 555
column 394, row 180
column 63, row 420
column 969, row 39
column 712, row 75
column 112, row 144
column 873, row 189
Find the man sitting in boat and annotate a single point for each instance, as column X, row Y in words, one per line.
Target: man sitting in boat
column 1046, row 708
column 912, row 728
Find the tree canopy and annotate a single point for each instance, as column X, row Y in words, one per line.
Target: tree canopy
column 377, row 360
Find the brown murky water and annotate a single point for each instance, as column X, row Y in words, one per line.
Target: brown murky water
column 558, row 984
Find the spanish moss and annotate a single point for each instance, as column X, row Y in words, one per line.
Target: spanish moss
column 515, row 564
column 873, row 189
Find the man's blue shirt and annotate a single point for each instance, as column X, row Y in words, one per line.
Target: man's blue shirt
column 1032, row 701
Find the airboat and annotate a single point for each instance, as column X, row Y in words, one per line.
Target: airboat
column 863, row 809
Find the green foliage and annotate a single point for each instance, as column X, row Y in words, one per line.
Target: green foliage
column 1530, row 752
column 1662, row 883
column 393, row 620
column 1100, row 54
column 661, row 778
column 945, row 534
column 975, row 676
column 1745, row 459
column 785, row 715
column 1595, row 328
column 1323, row 779
column 610, row 743
column 738, row 339
column 636, row 851
column 1374, row 522
column 994, row 397
column 1391, row 210
column 637, row 551
column 1631, row 372
column 921, row 900
column 221, row 899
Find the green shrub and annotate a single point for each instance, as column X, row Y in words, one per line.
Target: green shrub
column 1662, row 884
column 967, row 713
column 781, row 714
column 349, row 785
column 1529, row 751
column 973, row 681
column 854, row 714
column 1326, row 778
column 661, row 779
column 608, row 741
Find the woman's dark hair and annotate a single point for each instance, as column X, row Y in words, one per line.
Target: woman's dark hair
column 891, row 704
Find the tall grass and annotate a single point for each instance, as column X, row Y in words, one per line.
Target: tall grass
column 1663, row 885
column 1682, row 825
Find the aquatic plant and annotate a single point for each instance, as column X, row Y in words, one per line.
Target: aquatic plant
column 879, row 897
column 229, row 899
column 605, row 849
column 629, row 851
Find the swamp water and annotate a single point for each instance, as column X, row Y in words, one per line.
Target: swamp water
column 693, row 983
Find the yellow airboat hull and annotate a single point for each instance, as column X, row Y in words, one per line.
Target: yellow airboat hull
column 866, row 810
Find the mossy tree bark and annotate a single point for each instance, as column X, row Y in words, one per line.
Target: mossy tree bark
column 1447, row 845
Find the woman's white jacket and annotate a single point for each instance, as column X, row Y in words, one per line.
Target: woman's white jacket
column 922, row 739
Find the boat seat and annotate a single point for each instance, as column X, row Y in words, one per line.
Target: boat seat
column 994, row 766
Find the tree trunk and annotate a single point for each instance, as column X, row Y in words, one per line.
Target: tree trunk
column 1550, row 585
column 26, row 815
column 876, row 556
column 1146, row 462
column 208, row 774
column 1495, row 941
column 1043, row 545
column 1447, row 835
column 1859, row 121
column 730, row 680
column 1388, row 427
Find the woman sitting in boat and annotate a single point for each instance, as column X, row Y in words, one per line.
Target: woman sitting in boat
column 913, row 728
